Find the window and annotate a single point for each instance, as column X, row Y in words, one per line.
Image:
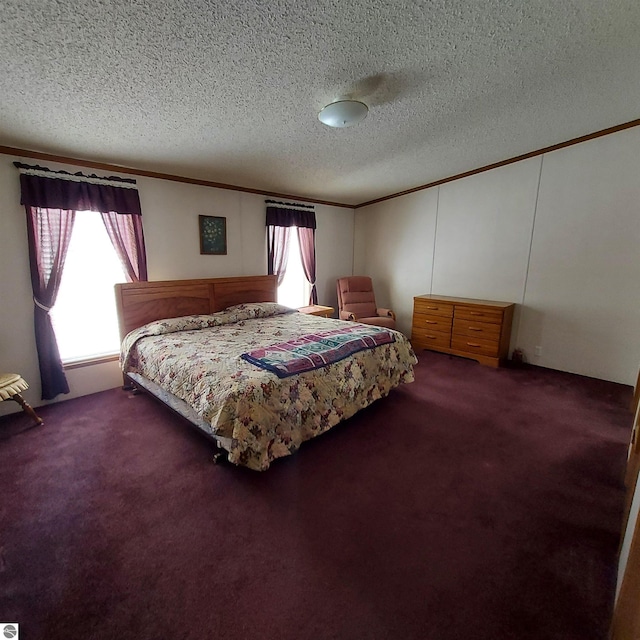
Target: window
column 84, row 316
column 291, row 252
column 51, row 200
column 294, row 290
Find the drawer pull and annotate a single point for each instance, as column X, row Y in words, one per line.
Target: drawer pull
column 475, row 313
column 433, row 308
column 473, row 344
column 474, row 329
column 430, row 337
column 430, row 322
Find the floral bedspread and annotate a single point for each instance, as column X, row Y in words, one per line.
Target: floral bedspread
column 197, row 359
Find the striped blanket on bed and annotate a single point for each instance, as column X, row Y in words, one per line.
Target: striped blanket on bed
column 317, row 350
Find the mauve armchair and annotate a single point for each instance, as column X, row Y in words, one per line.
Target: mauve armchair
column 356, row 301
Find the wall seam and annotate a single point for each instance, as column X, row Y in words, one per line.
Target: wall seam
column 353, row 242
column 533, row 227
column 435, row 234
column 240, row 210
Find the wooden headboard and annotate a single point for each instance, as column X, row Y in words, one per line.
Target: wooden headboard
column 142, row 302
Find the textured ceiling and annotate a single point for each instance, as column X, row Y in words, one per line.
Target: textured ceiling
column 230, row 91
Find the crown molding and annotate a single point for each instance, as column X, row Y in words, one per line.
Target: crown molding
column 102, row 166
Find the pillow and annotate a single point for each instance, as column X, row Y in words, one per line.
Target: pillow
column 235, row 313
column 248, row 310
column 168, row 325
column 182, row 323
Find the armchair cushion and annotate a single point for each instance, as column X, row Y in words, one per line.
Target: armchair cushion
column 359, row 309
column 379, row 321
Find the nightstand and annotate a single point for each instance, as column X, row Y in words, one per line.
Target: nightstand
column 317, row 310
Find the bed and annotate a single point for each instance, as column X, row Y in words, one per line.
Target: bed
column 256, row 377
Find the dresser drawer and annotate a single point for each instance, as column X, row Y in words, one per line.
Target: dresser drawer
column 432, row 322
column 474, row 329
column 430, row 338
column 433, row 308
column 483, row 314
column 475, row 345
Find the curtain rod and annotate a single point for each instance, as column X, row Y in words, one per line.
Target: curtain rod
column 79, row 174
column 290, row 204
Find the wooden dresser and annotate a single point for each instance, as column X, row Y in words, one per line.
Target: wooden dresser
column 477, row 329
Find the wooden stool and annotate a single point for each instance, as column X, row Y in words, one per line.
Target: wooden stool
column 11, row 384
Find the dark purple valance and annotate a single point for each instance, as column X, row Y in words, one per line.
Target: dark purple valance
column 281, row 217
column 75, row 195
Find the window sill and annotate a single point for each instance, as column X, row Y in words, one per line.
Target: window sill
column 88, row 362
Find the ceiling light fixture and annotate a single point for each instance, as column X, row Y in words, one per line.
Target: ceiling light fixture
column 343, row 113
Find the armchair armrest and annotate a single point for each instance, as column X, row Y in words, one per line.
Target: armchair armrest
column 347, row 315
column 386, row 312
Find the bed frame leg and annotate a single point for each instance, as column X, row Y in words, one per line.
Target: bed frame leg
column 127, row 384
column 219, row 457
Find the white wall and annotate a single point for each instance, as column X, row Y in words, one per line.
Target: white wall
column 170, row 219
column 394, row 245
column 558, row 234
column 584, row 275
column 334, row 245
column 484, row 233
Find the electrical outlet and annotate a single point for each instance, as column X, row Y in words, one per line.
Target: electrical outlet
column 538, row 351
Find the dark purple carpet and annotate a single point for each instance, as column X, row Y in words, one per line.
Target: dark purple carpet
column 473, row 504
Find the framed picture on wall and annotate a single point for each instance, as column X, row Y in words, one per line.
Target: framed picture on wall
column 213, row 235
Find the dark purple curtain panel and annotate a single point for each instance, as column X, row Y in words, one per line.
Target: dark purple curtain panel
column 307, row 239
column 125, row 233
column 49, row 233
column 277, row 251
